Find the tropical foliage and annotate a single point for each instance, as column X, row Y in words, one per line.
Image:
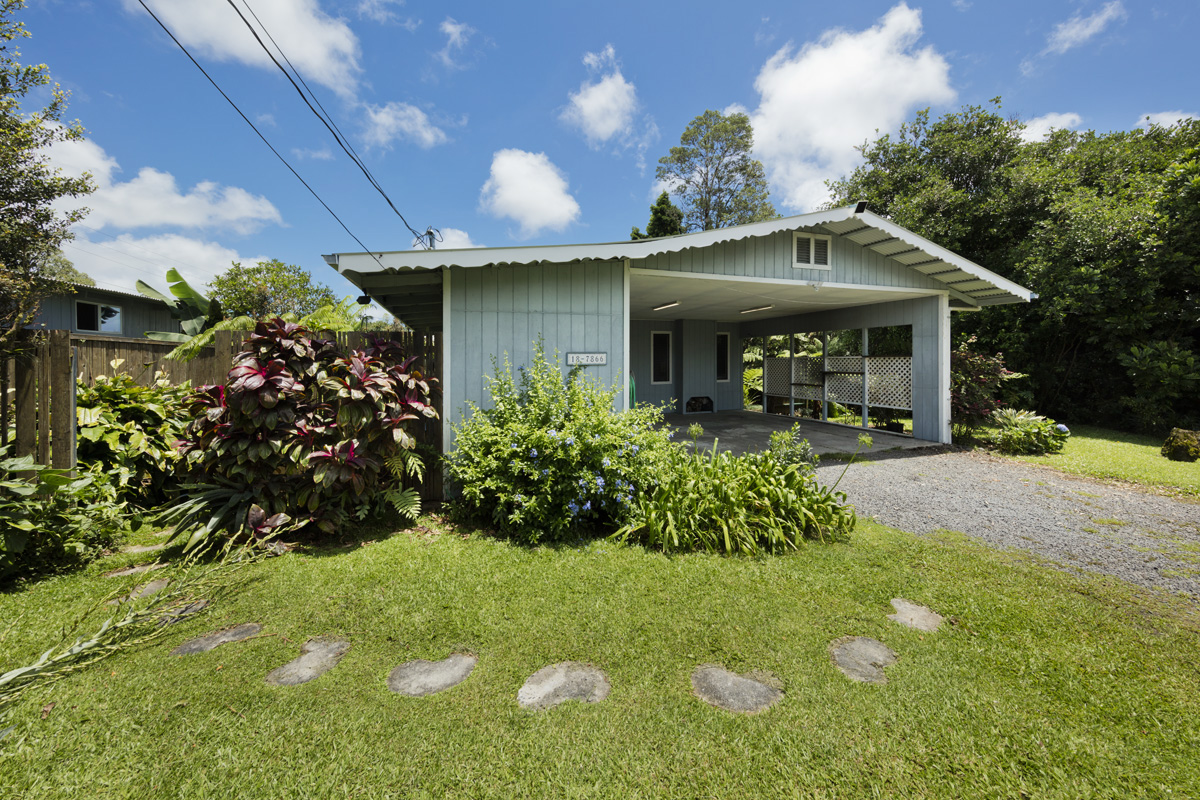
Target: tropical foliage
column 268, row 289
column 301, row 436
column 1024, row 433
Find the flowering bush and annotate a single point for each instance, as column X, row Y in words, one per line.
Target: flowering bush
column 550, row 459
column 304, row 431
column 1025, row 433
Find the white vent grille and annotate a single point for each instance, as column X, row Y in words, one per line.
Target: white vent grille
column 811, row 251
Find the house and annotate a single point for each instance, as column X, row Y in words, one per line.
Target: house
column 105, row 312
column 669, row 314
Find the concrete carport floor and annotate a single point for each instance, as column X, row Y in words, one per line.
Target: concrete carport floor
column 747, row 431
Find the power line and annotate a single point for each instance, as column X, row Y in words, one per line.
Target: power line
column 138, row 246
column 337, row 135
column 256, row 130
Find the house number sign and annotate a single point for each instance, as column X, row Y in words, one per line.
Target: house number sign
column 587, row 359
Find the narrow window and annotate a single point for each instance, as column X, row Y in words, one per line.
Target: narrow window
column 660, row 357
column 722, row 357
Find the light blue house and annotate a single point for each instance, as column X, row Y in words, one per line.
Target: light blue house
column 671, row 313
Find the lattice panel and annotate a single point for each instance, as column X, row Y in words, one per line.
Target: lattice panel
column 807, row 371
column 845, row 364
column 844, row 389
column 889, row 382
column 775, row 376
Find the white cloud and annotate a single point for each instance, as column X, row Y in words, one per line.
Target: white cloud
column 119, row 263
column 266, row 119
column 381, row 11
column 323, row 154
column 961, row 5
column 458, row 34
column 1038, row 128
column 817, row 104
column 322, row 48
column 1165, row 119
column 387, row 123
column 529, row 189
column 1079, row 29
column 602, row 108
column 153, row 198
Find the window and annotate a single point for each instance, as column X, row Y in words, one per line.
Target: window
column 97, row 317
column 811, row 250
column 660, row 357
column 722, row 358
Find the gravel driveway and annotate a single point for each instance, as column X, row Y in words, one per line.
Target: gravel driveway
column 1146, row 539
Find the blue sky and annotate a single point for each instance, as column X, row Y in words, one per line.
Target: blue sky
column 537, row 123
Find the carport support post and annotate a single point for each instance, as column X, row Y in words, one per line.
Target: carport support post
column 825, row 376
column 792, row 372
column 865, row 404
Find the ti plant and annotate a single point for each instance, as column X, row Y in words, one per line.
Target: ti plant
column 300, row 434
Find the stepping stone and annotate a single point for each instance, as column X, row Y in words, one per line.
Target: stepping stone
column 207, row 642
column 142, row 548
column 134, row 570
column 180, row 613
column 145, row 590
column 420, row 678
column 318, row 656
column 743, row 694
column 915, row 616
column 558, row 683
column 165, row 534
column 861, row 658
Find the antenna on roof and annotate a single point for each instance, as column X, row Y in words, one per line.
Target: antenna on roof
column 433, row 235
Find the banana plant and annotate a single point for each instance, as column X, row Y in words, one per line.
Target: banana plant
column 195, row 312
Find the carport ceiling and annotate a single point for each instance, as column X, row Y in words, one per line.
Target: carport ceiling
column 725, row 300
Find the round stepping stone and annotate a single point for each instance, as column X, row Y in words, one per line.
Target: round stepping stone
column 915, row 616
column 558, row 683
column 145, row 590
column 421, row 678
column 317, row 657
column 743, row 694
column 180, row 613
column 134, row 570
column 203, row 644
column 142, row 548
column 861, row 658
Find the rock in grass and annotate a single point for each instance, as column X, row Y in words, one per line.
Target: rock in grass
column 142, row 548
column 317, row 657
column 743, row 694
column 207, row 642
column 420, row 678
column 182, row 612
column 558, row 683
column 145, row 590
column 1182, row 445
column 861, row 658
column 914, row 616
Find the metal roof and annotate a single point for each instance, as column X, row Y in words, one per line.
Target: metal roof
column 967, row 281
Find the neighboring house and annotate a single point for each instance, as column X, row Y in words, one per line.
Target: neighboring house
column 670, row 313
column 105, row 312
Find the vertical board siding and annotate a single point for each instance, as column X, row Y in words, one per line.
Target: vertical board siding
column 138, row 314
column 499, row 312
column 729, row 395
column 693, row 348
column 698, row 362
column 771, row 257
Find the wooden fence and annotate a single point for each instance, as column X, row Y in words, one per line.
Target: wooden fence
column 37, row 391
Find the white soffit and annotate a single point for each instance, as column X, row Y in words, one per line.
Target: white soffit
column 967, row 280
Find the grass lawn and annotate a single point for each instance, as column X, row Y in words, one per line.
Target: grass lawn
column 1045, row 685
column 1103, row 453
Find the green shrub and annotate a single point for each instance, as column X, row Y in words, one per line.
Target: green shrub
column 976, row 381
column 550, row 459
column 751, row 504
column 51, row 520
column 1024, row 433
column 790, row 447
column 131, row 430
column 303, row 431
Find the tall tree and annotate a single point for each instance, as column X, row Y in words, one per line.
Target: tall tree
column 62, row 269
column 666, row 219
column 269, row 289
column 713, row 174
column 31, row 229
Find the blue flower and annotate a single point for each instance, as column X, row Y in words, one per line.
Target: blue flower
column 605, row 462
column 583, row 482
column 545, row 472
column 553, row 433
column 599, row 483
column 570, row 440
column 514, row 447
column 572, row 507
column 533, row 452
column 635, row 448
column 1062, row 428
column 587, row 506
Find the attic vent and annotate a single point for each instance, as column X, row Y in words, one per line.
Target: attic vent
column 811, row 251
